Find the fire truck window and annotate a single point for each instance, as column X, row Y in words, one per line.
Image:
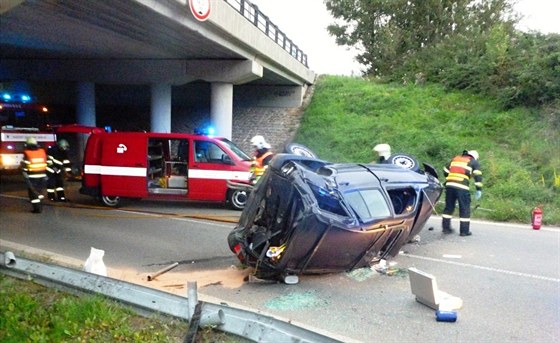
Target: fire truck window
column 216, row 154
column 201, row 151
column 209, row 152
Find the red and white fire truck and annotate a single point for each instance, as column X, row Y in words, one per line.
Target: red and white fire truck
column 20, row 120
column 170, row 166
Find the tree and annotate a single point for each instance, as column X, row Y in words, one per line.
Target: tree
column 395, row 36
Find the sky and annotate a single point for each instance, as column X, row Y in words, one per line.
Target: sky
column 306, row 21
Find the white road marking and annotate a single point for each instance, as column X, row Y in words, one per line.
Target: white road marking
column 503, row 271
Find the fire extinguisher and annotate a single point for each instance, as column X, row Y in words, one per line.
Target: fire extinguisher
column 536, row 218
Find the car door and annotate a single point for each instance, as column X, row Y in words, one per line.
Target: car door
column 210, row 167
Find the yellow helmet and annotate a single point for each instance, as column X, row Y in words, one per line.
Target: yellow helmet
column 31, row 141
column 63, row 144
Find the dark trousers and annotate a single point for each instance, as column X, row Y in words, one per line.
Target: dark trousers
column 35, row 186
column 463, row 196
column 55, row 186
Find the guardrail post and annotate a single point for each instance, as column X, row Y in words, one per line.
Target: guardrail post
column 192, row 297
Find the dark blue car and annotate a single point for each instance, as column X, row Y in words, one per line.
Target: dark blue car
column 310, row 216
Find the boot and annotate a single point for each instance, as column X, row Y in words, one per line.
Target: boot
column 61, row 196
column 464, row 228
column 446, row 225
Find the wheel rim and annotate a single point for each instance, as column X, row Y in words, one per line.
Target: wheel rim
column 110, row 200
column 238, row 198
column 404, row 161
column 302, row 152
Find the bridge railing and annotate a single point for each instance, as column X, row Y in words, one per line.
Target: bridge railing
column 252, row 13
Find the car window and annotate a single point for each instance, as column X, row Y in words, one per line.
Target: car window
column 328, row 201
column 368, row 203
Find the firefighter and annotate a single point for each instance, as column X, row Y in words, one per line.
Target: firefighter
column 58, row 165
column 458, row 173
column 384, row 152
column 34, row 167
column 261, row 157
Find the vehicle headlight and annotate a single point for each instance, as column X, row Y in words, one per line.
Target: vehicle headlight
column 7, row 160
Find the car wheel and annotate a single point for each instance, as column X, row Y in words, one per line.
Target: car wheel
column 405, row 161
column 237, row 199
column 110, row 201
column 298, row 149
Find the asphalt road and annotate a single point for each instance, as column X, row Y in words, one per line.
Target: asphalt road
column 507, row 275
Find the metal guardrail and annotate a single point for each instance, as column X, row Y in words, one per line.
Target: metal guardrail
column 252, row 13
column 253, row 326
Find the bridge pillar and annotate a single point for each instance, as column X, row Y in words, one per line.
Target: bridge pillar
column 85, row 106
column 85, row 114
column 160, row 117
column 221, row 108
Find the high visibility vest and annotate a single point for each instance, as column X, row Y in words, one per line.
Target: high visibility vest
column 35, row 162
column 257, row 167
column 459, row 172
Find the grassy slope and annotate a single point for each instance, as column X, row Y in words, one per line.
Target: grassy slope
column 518, row 148
column 34, row 313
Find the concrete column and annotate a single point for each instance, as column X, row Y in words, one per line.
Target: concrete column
column 221, row 108
column 160, row 119
column 85, row 107
column 85, row 115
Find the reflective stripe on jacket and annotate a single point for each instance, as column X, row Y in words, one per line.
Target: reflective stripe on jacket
column 57, row 160
column 35, row 162
column 460, row 170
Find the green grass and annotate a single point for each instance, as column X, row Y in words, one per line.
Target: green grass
column 34, row 313
column 519, row 148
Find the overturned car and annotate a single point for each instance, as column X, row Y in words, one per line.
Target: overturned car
column 306, row 215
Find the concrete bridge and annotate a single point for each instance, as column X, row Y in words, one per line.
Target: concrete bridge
column 228, row 44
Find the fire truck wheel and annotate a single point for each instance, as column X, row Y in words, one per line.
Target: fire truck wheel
column 237, row 199
column 110, row 201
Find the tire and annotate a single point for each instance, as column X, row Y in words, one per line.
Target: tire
column 110, row 201
column 298, row 149
column 237, row 199
column 404, row 161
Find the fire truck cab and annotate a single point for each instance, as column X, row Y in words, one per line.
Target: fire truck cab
column 19, row 121
column 171, row 166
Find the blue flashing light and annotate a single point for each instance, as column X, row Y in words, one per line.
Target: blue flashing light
column 25, row 98
column 206, row 131
column 6, row 97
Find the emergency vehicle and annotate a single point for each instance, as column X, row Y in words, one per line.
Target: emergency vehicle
column 20, row 120
column 171, row 166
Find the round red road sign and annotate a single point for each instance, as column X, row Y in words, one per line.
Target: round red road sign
column 200, row 9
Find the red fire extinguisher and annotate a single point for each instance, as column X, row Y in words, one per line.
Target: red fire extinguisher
column 536, row 218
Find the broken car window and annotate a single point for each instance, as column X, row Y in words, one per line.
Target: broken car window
column 327, row 201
